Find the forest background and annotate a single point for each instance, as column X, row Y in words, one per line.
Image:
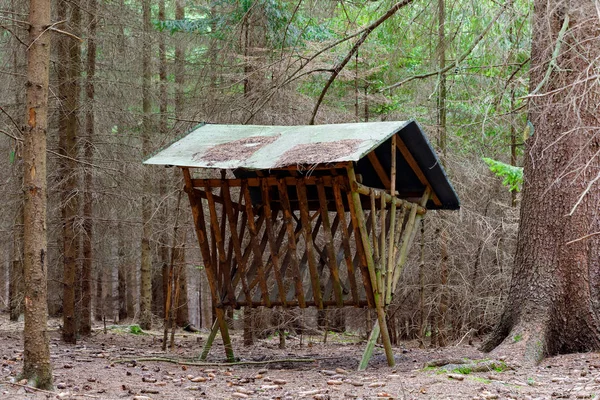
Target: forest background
column 129, row 77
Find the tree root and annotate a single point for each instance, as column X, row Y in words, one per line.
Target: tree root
column 213, row 364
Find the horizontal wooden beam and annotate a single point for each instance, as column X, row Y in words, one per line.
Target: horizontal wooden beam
column 365, row 190
column 256, row 182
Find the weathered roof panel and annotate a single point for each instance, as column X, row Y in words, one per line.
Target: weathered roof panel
column 265, row 147
column 247, row 149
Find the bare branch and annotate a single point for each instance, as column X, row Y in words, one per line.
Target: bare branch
column 338, row 68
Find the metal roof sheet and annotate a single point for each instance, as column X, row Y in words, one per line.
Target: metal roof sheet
column 265, row 147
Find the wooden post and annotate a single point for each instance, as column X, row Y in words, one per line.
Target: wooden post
column 385, row 337
column 408, row 236
column 390, row 262
column 200, row 227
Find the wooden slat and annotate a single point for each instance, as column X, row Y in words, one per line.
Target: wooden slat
column 382, row 246
column 272, row 241
column 256, row 246
column 389, row 266
column 415, row 167
column 383, row 176
column 287, row 216
column 308, row 240
column 240, row 268
column 345, row 234
column 375, row 245
column 217, row 234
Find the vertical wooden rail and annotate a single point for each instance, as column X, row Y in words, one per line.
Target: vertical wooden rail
column 331, row 256
column 308, row 240
column 407, row 237
column 381, row 320
column 200, row 227
column 272, row 240
column 339, row 204
column 382, row 246
column 390, row 261
column 287, row 216
column 256, row 246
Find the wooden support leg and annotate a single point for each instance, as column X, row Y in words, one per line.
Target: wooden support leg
column 225, row 335
column 377, row 290
column 364, row 362
column 210, row 340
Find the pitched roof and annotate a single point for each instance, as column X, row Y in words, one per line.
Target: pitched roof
column 247, row 148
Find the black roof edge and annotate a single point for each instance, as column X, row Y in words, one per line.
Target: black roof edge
column 416, row 142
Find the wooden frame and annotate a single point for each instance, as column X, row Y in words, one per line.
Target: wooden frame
column 296, row 253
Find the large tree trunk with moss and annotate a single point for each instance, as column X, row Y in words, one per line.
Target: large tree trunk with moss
column 36, row 357
column 554, row 285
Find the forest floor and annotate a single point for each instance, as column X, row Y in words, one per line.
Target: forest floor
column 92, row 369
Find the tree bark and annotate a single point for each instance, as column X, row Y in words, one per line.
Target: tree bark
column 87, row 264
column 69, row 90
column 36, row 358
column 550, row 305
column 146, row 258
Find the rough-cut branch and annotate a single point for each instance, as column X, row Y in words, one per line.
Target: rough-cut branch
column 338, row 68
column 458, row 60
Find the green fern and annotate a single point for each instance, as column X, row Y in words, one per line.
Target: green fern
column 512, row 177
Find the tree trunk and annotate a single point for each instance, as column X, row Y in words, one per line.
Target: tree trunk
column 146, row 261
column 182, row 318
column 36, row 358
column 550, row 306
column 85, row 323
column 15, row 285
column 69, row 90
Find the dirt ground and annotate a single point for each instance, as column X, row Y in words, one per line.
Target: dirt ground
column 92, row 369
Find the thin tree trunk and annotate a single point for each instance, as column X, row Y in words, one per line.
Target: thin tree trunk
column 36, row 357
column 442, row 140
column 182, row 316
column 69, row 90
column 85, row 324
column 15, row 285
column 146, row 258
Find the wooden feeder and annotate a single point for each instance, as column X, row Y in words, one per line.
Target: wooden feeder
column 320, row 216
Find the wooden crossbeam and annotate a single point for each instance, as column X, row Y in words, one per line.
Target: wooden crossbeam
column 383, row 176
column 257, row 182
column 309, row 254
column 222, row 255
column 272, row 242
column 415, row 167
column 287, row 216
column 345, row 236
column 332, row 261
column 256, row 247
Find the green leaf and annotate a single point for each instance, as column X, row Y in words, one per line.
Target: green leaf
column 11, row 157
column 512, row 177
